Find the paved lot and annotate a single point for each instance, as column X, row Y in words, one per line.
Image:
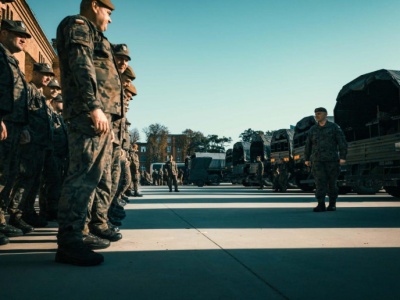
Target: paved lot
column 226, row 242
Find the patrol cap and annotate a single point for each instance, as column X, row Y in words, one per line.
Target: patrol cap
column 320, row 109
column 43, row 68
column 15, row 26
column 107, row 3
column 129, row 72
column 121, row 50
column 58, row 98
column 131, row 89
column 54, row 83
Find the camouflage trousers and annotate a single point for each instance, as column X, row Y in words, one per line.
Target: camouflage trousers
column 9, row 157
column 172, row 181
column 125, row 179
column 27, row 184
column 87, row 187
column 53, row 175
column 325, row 175
column 115, row 169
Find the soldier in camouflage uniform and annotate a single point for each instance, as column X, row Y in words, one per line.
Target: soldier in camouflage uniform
column 92, row 95
column 325, row 151
column 40, row 132
column 171, row 172
column 135, row 170
column 56, row 164
column 260, row 172
column 13, row 114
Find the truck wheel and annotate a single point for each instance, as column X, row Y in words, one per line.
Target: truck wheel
column 362, row 188
column 393, row 191
column 344, row 190
column 306, row 187
column 200, row 183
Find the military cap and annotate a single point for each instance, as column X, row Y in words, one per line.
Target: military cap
column 43, row 68
column 54, row 83
column 15, row 26
column 121, row 50
column 320, row 109
column 58, row 98
column 129, row 72
column 107, row 3
column 131, row 89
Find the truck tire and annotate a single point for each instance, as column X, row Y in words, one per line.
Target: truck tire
column 200, row 183
column 362, row 188
column 344, row 190
column 393, row 191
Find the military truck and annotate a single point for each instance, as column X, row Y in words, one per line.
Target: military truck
column 207, row 168
column 368, row 111
column 282, row 148
column 227, row 174
column 240, row 162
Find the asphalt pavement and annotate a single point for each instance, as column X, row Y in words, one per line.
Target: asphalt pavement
column 223, row 242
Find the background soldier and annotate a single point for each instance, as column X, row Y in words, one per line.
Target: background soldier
column 260, row 172
column 92, row 99
column 171, row 172
column 135, row 170
column 160, row 177
column 323, row 143
column 13, row 114
column 40, row 132
column 280, row 177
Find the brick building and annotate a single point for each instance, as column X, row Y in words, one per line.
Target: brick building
column 174, row 148
column 38, row 48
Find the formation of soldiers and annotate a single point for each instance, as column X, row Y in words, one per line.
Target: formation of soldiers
column 68, row 142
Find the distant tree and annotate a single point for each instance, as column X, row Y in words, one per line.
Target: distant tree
column 193, row 141
column 216, row 144
column 246, row 136
column 134, row 135
column 156, row 135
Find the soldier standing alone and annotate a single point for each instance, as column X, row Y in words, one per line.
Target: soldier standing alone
column 171, row 172
column 325, row 151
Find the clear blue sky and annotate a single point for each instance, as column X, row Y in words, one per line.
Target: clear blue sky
column 223, row 66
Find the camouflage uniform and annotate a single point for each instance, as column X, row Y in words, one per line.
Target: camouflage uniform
column 90, row 81
column 322, row 146
column 32, row 154
column 14, row 113
column 281, row 177
column 126, row 178
column 260, row 173
column 135, row 166
column 171, row 171
column 160, row 177
column 55, row 169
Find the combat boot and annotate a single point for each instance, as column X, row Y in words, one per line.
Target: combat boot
column 107, row 234
column 17, row 222
column 320, row 207
column 94, row 242
column 10, row 231
column 3, row 239
column 34, row 220
column 332, row 205
column 113, row 227
column 78, row 254
column 136, row 194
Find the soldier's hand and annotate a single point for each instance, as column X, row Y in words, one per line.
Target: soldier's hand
column 100, row 122
column 307, row 163
column 3, row 131
column 25, row 137
column 342, row 162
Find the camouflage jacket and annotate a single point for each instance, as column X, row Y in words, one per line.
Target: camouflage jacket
column 170, row 169
column 40, row 117
column 60, row 137
column 13, row 89
column 325, row 143
column 118, row 131
column 89, row 75
column 126, row 139
column 135, row 163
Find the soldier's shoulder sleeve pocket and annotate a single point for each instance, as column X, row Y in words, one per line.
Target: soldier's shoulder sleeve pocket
column 80, row 33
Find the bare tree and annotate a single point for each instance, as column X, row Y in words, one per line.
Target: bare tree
column 134, row 135
column 156, row 135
